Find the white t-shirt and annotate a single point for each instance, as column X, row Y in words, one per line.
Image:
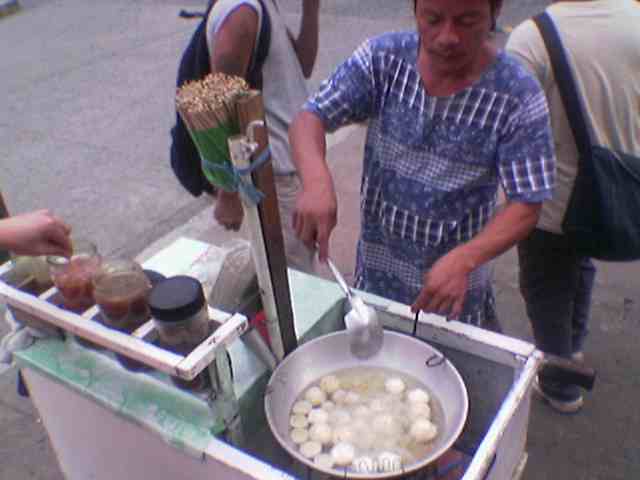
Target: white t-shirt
column 603, row 42
column 284, row 87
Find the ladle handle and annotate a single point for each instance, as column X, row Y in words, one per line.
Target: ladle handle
column 338, row 276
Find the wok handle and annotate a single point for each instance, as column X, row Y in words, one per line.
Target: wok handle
column 567, row 371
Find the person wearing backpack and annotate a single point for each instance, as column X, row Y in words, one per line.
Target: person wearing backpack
column 249, row 38
column 602, row 41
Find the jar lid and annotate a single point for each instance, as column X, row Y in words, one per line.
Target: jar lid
column 176, row 299
column 154, row 277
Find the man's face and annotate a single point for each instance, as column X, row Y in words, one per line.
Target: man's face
column 453, row 32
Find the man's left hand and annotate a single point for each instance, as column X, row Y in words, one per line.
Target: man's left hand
column 228, row 210
column 445, row 286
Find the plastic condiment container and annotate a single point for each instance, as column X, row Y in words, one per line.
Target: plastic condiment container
column 179, row 311
column 72, row 276
column 120, row 289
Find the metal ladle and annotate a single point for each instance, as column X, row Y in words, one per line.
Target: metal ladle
column 364, row 328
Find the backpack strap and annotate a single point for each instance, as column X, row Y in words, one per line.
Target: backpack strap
column 254, row 75
column 573, row 104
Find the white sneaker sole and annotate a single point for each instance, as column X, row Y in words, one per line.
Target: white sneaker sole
column 561, row 406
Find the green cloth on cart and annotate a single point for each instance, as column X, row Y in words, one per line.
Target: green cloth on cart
column 180, row 418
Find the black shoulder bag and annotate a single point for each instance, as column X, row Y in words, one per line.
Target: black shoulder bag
column 603, row 215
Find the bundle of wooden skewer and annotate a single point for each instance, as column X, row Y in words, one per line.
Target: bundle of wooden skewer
column 208, row 108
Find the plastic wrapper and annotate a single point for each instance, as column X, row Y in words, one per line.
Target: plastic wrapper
column 236, row 280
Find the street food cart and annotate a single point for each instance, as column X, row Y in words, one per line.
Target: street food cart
column 107, row 422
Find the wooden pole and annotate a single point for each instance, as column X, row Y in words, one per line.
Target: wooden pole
column 268, row 244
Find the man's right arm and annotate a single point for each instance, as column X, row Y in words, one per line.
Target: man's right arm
column 316, row 208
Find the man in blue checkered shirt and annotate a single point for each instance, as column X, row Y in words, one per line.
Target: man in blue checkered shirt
column 450, row 118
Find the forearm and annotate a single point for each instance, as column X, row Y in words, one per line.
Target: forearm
column 35, row 233
column 306, row 45
column 508, row 227
column 6, row 236
column 308, row 150
column 316, row 206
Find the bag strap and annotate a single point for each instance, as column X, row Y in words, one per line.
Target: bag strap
column 262, row 50
column 565, row 81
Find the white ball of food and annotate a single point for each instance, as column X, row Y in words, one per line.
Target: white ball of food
column 352, row 398
column 330, row 383
column 360, row 425
column 339, row 396
column 361, row 411
column 328, row 405
column 317, row 415
column 299, row 435
column 344, row 434
column 385, row 424
column 315, row 395
column 418, row 395
column 339, row 416
column 386, row 442
column 380, row 404
column 394, row 386
column 321, row 432
column 389, row 462
column 324, row 460
column 420, row 410
column 298, row 421
column 423, row 431
column 364, row 464
column 365, row 440
column 302, row 407
column 310, row 449
column 343, row 454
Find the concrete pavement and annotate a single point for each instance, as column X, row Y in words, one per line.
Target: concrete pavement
column 83, row 130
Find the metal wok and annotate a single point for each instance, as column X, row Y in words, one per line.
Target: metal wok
column 405, row 354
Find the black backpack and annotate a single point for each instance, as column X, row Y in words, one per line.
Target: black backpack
column 194, row 65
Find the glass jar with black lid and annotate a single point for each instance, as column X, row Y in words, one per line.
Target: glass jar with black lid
column 180, row 314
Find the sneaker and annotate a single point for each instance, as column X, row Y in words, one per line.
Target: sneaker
column 570, row 404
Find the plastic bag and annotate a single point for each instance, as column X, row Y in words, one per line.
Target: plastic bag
column 236, row 280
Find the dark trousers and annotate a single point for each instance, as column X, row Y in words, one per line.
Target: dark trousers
column 556, row 285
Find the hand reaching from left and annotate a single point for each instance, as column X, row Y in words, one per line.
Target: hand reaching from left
column 36, row 233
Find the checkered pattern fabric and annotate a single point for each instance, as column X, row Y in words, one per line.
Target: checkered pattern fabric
column 432, row 165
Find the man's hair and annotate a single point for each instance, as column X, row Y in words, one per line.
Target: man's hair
column 495, row 8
